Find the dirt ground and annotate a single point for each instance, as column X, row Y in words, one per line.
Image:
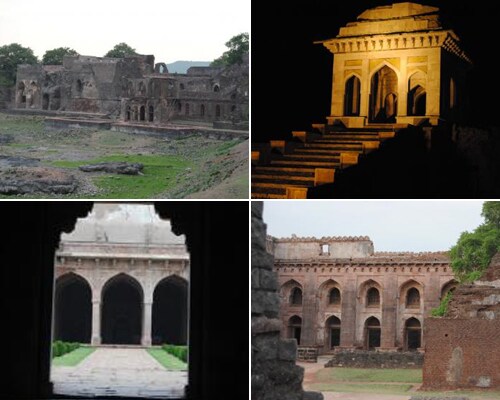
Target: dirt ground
column 194, row 167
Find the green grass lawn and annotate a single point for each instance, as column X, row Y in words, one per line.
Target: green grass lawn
column 167, row 360
column 369, row 375
column 361, row 388
column 73, row 358
column 160, row 173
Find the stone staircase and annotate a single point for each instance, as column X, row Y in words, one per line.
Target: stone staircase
column 286, row 170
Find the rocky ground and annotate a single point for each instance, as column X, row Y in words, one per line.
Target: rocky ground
column 36, row 163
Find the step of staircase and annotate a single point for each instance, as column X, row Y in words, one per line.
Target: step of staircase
column 305, row 164
column 312, row 157
column 256, row 195
column 280, row 179
column 284, row 171
column 333, row 146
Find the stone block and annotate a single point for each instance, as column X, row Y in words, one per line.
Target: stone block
column 266, row 303
column 257, row 207
column 268, row 280
column 262, row 259
column 263, row 325
column 287, row 350
column 265, row 346
column 258, row 235
column 255, row 278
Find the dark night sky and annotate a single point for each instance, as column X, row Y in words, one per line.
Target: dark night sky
column 291, row 77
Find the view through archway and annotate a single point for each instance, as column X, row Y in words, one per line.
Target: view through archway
column 121, row 306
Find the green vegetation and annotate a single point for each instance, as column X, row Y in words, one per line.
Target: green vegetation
column 11, row 55
column 55, row 56
column 370, row 375
column 238, row 45
column 159, row 173
column 60, row 348
column 121, row 50
column 181, row 352
column 441, row 310
column 73, row 358
column 364, row 388
column 474, row 250
column 167, row 360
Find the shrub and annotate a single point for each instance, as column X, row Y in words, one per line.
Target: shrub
column 443, row 307
column 181, row 352
column 59, row 348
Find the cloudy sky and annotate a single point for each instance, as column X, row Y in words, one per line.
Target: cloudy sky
column 392, row 225
column 171, row 30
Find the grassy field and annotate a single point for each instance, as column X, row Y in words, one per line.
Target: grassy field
column 193, row 166
column 73, row 358
column 167, row 360
column 370, row 375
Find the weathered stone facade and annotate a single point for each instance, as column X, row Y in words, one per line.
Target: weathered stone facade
column 135, row 89
column 463, row 350
column 117, row 271
column 397, row 64
column 274, row 373
column 338, row 293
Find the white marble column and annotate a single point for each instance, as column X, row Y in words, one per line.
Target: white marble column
column 146, row 323
column 96, row 322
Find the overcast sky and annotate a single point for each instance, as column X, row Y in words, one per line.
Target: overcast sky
column 392, row 225
column 170, row 29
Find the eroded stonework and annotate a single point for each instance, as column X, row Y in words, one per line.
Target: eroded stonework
column 135, row 89
column 338, row 293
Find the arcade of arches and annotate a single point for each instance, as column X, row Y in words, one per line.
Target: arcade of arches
column 116, row 286
column 353, row 297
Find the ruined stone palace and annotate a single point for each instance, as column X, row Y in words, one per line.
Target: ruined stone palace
column 338, row 293
column 135, row 89
column 397, row 64
column 122, row 278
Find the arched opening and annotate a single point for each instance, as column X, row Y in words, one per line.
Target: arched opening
column 413, row 334
column 142, row 88
column 294, row 328
column 372, row 297
column 217, row 111
column 352, row 96
column 413, row 298
column 333, row 331
column 453, row 94
column 142, row 112
column 202, row 110
column 186, row 109
column 233, row 108
column 296, row 296
column 181, row 86
column 216, row 88
column 136, row 114
column 417, row 95
column 334, row 297
column 122, row 300
column 383, row 96
column 20, row 93
column 179, row 106
column 45, row 101
column 448, row 287
column 73, row 309
column 128, row 113
column 372, row 333
column 170, row 313
column 151, row 114
column 79, row 87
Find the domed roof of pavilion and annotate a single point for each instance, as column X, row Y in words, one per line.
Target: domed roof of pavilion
column 395, row 18
column 123, row 223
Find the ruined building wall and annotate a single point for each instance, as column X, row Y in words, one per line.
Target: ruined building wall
column 463, row 349
column 349, row 267
column 274, row 373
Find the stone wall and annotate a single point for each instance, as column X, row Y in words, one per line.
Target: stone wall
column 274, row 373
column 372, row 359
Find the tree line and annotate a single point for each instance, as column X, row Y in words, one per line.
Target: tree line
column 14, row 54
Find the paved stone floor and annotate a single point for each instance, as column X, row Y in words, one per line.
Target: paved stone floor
column 119, row 372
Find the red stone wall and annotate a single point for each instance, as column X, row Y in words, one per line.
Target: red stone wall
column 461, row 353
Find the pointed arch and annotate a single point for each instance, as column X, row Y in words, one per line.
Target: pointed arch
column 352, row 95
column 384, row 94
column 417, row 95
column 370, row 293
column 448, row 286
column 73, row 308
column 411, row 294
column 330, row 293
column 333, row 326
column 372, row 333
column 413, row 334
column 295, row 328
column 291, row 292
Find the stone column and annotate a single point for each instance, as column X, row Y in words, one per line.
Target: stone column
column 146, row 323
column 309, row 312
column 389, row 315
column 349, row 311
column 96, row 322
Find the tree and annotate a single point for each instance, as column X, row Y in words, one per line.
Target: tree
column 55, row 56
column 238, row 46
column 474, row 250
column 121, row 50
column 12, row 55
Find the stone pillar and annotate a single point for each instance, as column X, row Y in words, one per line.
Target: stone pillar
column 389, row 314
column 146, row 323
column 309, row 312
column 274, row 373
column 349, row 311
column 96, row 322
column 403, row 88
